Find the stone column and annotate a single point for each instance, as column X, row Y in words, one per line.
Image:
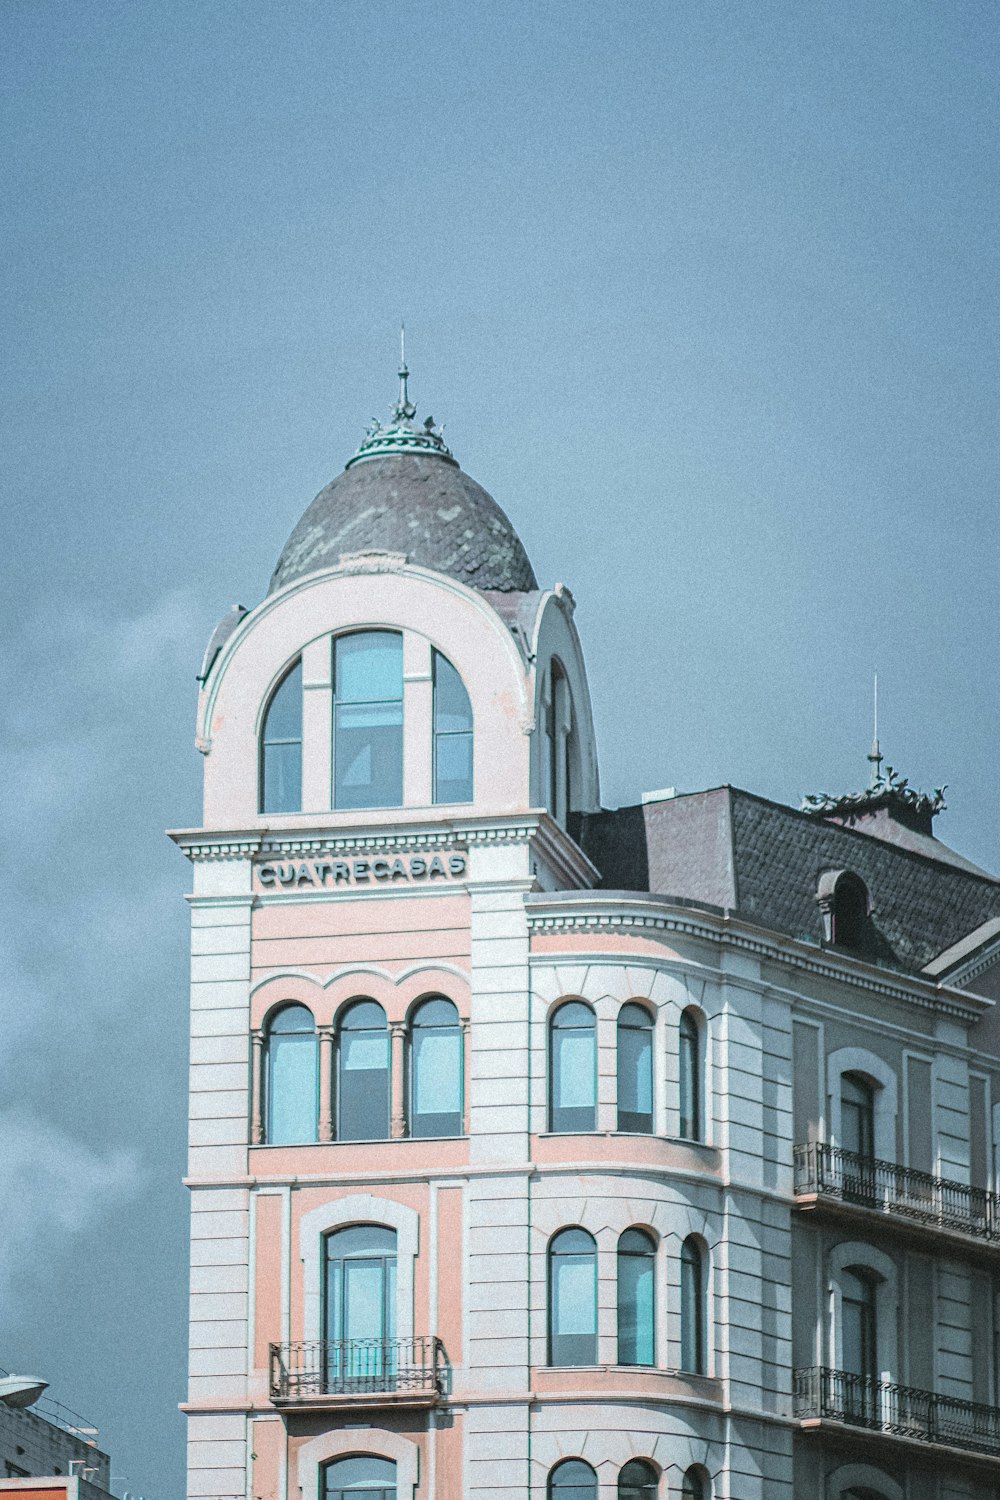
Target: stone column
column 326, row 1083
column 257, row 1088
column 398, row 1031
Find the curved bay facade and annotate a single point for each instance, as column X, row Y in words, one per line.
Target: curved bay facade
column 541, row 1150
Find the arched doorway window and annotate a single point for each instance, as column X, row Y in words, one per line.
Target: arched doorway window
column 637, row 1481
column 573, row 1298
column 359, row 1307
column 363, row 1073
column 694, row 1351
column 572, row 1068
column 572, row 1480
column 290, row 1077
column 281, row 747
column 636, row 1298
column 436, row 1070
column 635, row 1069
column 360, row 1478
column 368, row 719
column 452, row 734
column 692, row 1127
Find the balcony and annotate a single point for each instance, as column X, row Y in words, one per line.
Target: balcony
column 344, row 1374
column 920, row 1204
column 834, row 1399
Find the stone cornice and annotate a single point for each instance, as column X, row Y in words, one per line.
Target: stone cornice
column 593, row 913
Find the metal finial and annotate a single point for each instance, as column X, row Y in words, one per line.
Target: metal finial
column 405, row 409
column 875, row 756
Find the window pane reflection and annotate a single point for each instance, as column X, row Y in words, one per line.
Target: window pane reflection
column 363, row 1074
column 452, row 734
column 368, row 719
column 573, row 1069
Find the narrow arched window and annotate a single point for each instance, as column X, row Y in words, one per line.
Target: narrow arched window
column 692, row 1116
column 857, row 1115
column 290, row 1077
column 635, row 1069
column 452, row 734
column 360, row 1478
column 637, row 1481
column 436, row 1070
column 850, row 911
column 368, row 719
column 281, row 747
column 694, row 1352
column 859, row 1331
column 359, row 1308
column 573, row 1068
column 636, row 1298
column 558, row 744
column 572, row 1480
column 363, row 1074
column 694, row 1486
column 573, row 1298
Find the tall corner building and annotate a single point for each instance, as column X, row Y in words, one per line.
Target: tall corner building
column 540, row 1151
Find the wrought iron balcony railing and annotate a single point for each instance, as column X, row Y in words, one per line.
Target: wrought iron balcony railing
column 881, row 1406
column 883, row 1187
column 357, row 1371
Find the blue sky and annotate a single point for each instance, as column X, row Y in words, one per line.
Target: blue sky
column 706, row 295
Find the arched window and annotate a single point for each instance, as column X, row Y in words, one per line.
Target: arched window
column 850, row 911
column 859, row 1330
column 363, row 1476
column 573, row 1068
column 572, row 1480
column 694, row 1353
column 281, row 747
column 558, row 744
column 368, row 719
column 636, row 1298
column 692, row 1114
column 452, row 734
column 635, row 1069
column 637, row 1481
column 363, row 1074
column 436, row 1070
column 857, row 1114
column 290, row 1077
column 694, row 1486
column 359, row 1306
column 573, row 1298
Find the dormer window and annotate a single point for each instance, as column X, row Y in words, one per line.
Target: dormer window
column 368, row 719
column 846, row 908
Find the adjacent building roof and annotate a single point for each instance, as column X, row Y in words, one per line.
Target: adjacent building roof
column 728, row 848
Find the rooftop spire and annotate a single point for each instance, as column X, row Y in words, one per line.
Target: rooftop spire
column 400, row 436
column 875, row 756
column 405, row 410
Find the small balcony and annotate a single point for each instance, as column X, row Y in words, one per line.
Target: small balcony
column 918, row 1203
column 345, row 1374
column 835, row 1399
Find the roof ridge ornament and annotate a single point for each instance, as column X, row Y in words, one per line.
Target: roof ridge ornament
column 890, row 791
column 400, row 436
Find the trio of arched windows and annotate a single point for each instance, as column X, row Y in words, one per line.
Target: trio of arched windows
column 369, row 1478
column 367, row 729
column 361, row 1074
column 572, row 1300
column 573, row 1070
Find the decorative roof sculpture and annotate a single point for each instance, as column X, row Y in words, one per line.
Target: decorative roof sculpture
column 888, row 791
column 400, row 436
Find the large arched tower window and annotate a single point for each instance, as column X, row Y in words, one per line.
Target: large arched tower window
column 573, row 1298
column 290, row 1077
column 280, row 787
column 573, row 1068
column 452, row 734
column 368, row 719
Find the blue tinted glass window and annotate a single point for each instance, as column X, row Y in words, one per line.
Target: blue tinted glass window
column 691, row 1110
column 573, row 1480
column 368, row 719
column 363, row 1074
column 694, row 1486
column 573, row 1069
column 281, row 747
column 635, row 1069
column 360, row 1308
column 436, row 1066
column 636, row 1298
column 573, row 1299
column 290, row 1083
column 637, row 1481
column 452, row 734
column 362, row 1476
column 693, row 1320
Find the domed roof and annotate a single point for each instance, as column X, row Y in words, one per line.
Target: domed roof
column 404, row 492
